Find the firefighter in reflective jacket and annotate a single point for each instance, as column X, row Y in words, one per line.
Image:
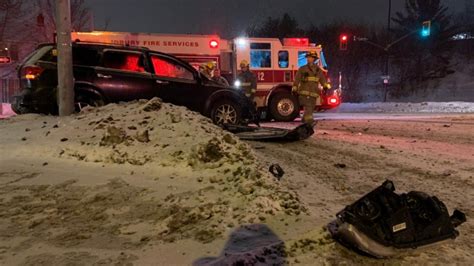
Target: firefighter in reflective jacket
column 306, row 85
column 247, row 80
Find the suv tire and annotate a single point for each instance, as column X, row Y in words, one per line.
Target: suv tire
column 18, row 109
column 284, row 107
column 226, row 111
column 87, row 99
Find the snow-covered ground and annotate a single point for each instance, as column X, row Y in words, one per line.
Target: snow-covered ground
column 396, row 107
column 148, row 183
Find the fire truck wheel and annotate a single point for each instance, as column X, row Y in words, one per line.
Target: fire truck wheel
column 226, row 112
column 284, row 107
column 87, row 99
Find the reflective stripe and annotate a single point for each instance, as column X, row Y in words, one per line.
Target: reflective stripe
column 253, row 90
column 307, row 93
column 315, row 79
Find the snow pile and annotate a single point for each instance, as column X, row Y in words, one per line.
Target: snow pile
column 395, row 107
column 216, row 180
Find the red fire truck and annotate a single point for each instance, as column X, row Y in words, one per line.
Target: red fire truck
column 274, row 62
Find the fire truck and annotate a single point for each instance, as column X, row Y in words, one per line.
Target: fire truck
column 273, row 61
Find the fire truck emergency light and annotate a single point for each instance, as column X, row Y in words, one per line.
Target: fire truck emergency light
column 241, row 42
column 296, row 42
column 214, row 44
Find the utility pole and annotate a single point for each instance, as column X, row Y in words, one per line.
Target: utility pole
column 387, row 59
column 65, row 94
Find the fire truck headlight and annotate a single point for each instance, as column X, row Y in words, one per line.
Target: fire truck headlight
column 237, row 84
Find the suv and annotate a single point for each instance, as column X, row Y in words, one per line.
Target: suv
column 108, row 73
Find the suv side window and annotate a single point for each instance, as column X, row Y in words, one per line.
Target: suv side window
column 85, row 56
column 123, row 60
column 170, row 69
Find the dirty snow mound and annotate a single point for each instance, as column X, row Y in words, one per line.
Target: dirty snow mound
column 216, row 180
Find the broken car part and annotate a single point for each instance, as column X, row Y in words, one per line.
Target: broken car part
column 383, row 223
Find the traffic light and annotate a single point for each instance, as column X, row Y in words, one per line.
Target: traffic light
column 343, row 39
column 426, row 28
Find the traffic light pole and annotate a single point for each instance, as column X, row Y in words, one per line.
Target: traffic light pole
column 65, row 94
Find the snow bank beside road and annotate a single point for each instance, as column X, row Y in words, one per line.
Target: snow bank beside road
column 204, row 181
column 393, row 107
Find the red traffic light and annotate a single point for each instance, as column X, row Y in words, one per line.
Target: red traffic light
column 343, row 42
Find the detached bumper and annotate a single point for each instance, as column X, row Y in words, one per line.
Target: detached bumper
column 301, row 132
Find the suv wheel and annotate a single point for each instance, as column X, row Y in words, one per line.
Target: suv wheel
column 18, row 109
column 84, row 100
column 284, row 107
column 226, row 112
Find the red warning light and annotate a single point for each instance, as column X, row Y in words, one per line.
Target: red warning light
column 343, row 42
column 213, row 44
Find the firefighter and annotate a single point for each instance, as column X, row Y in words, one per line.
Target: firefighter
column 219, row 79
column 247, row 80
column 207, row 69
column 306, row 85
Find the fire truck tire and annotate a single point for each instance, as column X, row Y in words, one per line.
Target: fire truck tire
column 226, row 111
column 284, row 107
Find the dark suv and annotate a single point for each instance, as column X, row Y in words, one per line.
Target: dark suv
column 107, row 73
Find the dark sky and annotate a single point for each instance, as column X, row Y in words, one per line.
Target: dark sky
column 231, row 17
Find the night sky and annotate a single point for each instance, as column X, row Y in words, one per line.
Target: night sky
column 231, row 18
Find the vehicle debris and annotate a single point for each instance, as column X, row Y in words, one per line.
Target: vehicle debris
column 276, row 171
column 301, row 132
column 383, row 223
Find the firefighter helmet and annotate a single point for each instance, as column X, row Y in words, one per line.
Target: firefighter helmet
column 209, row 65
column 244, row 63
column 312, row 54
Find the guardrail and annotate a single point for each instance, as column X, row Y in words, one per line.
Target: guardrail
column 8, row 88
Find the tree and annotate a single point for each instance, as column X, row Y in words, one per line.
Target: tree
column 425, row 58
column 11, row 19
column 81, row 18
column 283, row 27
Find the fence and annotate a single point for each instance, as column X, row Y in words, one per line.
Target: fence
column 8, row 88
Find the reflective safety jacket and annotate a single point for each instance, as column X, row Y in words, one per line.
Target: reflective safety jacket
column 307, row 81
column 248, row 82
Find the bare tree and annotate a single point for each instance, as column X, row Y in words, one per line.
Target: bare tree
column 81, row 18
column 11, row 18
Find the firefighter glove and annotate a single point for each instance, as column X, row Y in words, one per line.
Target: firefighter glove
column 294, row 89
